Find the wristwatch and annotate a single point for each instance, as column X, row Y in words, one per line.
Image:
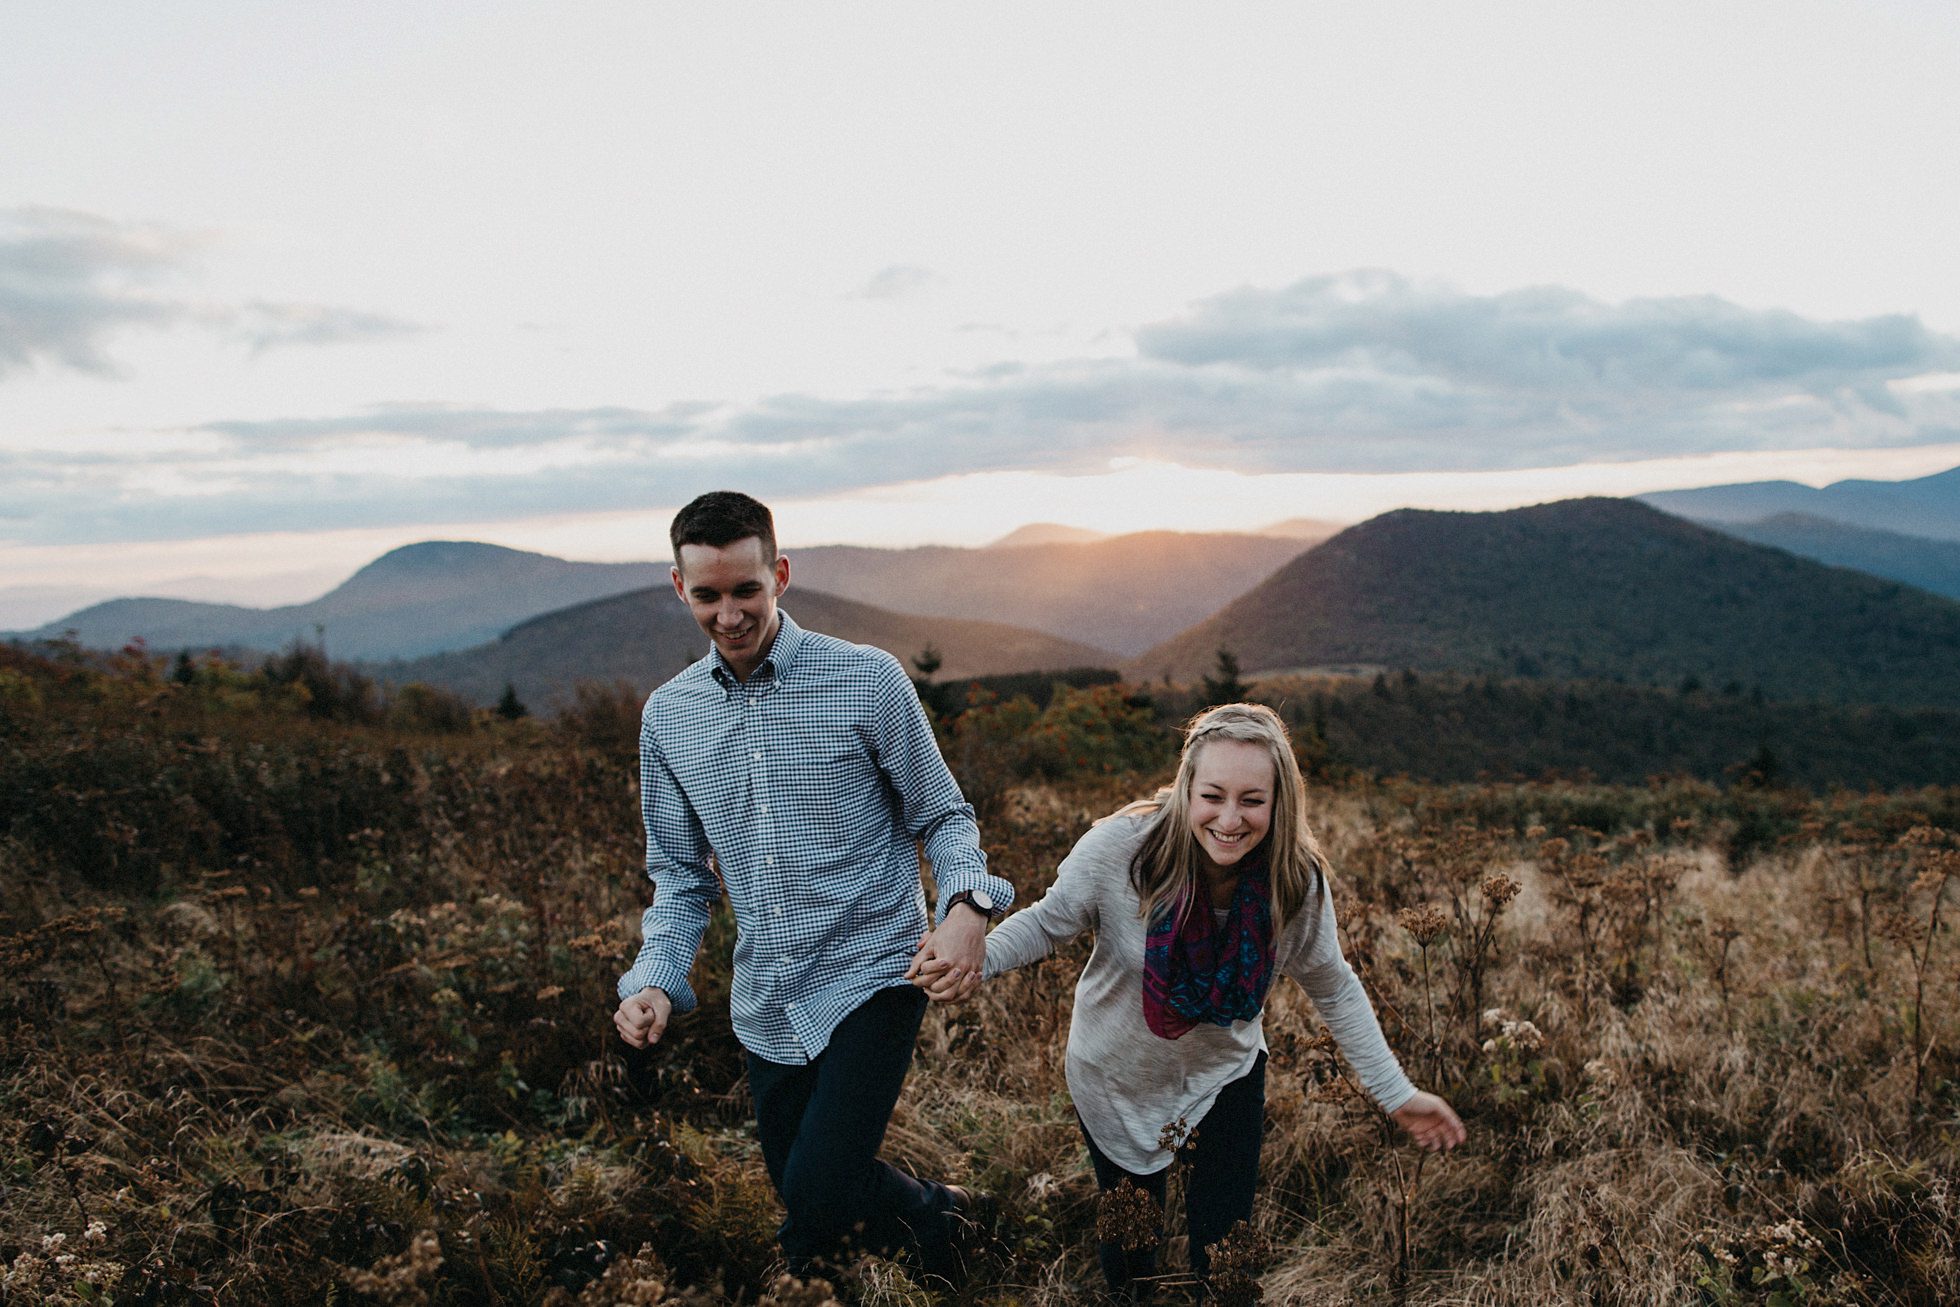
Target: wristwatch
column 979, row 898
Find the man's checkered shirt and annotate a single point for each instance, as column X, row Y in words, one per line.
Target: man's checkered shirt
column 809, row 784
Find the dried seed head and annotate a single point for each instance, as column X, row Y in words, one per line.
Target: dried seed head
column 1500, row 890
column 1128, row 1216
column 1236, row 1261
column 1177, row 1135
column 1425, row 923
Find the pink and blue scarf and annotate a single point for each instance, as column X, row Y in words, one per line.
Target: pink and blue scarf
column 1198, row 970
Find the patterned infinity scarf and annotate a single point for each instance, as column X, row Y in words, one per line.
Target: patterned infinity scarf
column 1199, row 971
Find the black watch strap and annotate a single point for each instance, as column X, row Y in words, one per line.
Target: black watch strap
column 981, row 902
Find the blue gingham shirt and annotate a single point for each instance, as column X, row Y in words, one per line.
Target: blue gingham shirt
column 808, row 784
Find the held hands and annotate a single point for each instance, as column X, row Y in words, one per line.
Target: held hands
column 950, row 959
column 1430, row 1122
column 642, row 1019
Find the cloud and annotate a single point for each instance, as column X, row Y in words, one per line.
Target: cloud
column 898, row 282
column 263, row 326
column 70, row 283
column 1367, row 372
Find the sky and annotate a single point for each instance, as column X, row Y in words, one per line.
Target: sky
column 283, row 287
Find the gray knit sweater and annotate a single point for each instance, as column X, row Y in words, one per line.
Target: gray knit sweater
column 1127, row 1081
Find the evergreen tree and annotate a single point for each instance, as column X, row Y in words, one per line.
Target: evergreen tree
column 937, row 698
column 510, row 707
column 1226, row 687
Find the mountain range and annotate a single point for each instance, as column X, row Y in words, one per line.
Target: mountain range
column 1118, row 593
column 1596, row 589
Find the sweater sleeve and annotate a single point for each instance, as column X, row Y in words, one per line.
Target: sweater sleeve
column 1338, row 996
column 1070, row 906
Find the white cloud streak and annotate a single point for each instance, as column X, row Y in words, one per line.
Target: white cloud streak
column 263, row 326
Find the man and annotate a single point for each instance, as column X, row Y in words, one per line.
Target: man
column 806, row 769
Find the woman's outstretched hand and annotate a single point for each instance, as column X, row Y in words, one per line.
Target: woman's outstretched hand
column 1430, row 1122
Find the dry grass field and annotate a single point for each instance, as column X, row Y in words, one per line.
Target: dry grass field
column 299, row 1009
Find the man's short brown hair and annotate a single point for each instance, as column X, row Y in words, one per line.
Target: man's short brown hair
column 721, row 517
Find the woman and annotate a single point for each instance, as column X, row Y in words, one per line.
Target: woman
column 1197, row 897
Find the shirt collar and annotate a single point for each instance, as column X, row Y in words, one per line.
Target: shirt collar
column 782, row 652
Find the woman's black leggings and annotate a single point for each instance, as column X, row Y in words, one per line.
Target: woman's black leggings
column 1221, row 1172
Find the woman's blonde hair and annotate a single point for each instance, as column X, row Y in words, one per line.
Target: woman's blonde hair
column 1168, row 864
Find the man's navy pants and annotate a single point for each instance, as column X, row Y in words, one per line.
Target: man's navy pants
column 822, row 1124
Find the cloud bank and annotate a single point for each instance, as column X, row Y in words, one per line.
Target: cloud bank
column 70, row 283
column 1362, row 372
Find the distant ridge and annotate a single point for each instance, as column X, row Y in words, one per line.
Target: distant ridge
column 1930, row 564
column 1601, row 589
column 646, row 636
column 421, row 598
column 1046, row 533
column 1926, row 506
column 1122, row 593
column 1312, row 529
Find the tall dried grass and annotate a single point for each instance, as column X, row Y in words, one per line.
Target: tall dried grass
column 297, row 1010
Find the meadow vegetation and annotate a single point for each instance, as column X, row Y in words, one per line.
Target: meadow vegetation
column 307, row 996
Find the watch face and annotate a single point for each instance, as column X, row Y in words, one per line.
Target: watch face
column 983, row 901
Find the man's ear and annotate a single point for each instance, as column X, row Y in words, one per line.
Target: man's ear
column 680, row 586
column 782, row 574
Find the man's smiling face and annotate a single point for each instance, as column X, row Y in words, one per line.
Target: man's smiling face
column 732, row 590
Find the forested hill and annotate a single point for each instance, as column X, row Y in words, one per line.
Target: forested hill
column 646, row 636
column 1595, row 589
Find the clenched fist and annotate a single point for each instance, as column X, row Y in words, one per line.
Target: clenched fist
column 642, row 1019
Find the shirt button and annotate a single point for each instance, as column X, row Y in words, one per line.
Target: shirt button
column 756, row 754
column 769, row 862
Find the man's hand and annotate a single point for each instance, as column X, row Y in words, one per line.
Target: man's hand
column 642, row 1019
column 1430, row 1122
column 950, row 959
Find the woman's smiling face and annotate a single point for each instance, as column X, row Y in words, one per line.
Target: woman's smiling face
column 1231, row 799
